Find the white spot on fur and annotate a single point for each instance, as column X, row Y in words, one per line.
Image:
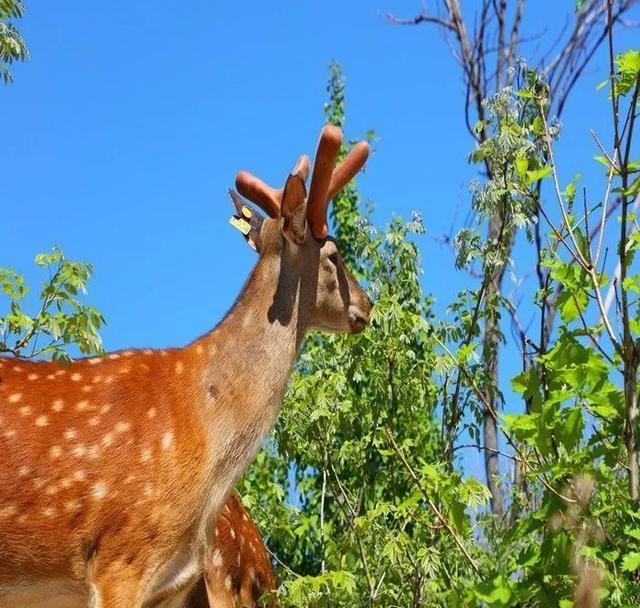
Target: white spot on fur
column 99, row 490
column 79, row 450
column 49, row 512
column 107, row 440
column 15, row 397
column 79, row 475
column 23, row 471
column 93, row 421
column 70, row 434
column 96, row 379
column 81, row 406
column 93, row 452
column 232, row 532
column 114, row 356
column 151, row 412
column 33, row 377
column 216, row 559
column 72, row 505
column 87, row 388
column 42, row 421
column 55, row 451
column 76, row 377
column 51, row 490
column 179, row 367
column 167, row 441
column 94, row 361
column 7, row 511
column 227, row 583
column 57, row 405
column 17, row 369
column 9, row 433
column 123, row 427
column 104, row 409
column 145, row 455
column 25, row 410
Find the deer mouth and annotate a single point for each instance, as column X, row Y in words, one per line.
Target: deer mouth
column 358, row 319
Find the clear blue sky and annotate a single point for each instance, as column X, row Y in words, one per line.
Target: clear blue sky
column 125, row 129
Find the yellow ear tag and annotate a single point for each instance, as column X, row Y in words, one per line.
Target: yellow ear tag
column 242, row 225
column 247, row 212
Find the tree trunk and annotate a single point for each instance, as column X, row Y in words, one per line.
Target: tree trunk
column 631, row 426
column 490, row 348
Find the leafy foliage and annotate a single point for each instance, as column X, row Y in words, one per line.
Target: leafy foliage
column 62, row 319
column 361, row 492
column 12, row 46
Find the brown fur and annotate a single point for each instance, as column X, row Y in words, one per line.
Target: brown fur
column 114, row 469
column 238, row 570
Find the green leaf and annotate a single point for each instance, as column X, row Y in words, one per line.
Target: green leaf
column 538, row 174
column 628, row 65
column 631, row 561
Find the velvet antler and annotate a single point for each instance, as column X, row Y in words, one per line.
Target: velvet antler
column 255, row 190
column 326, row 181
column 263, row 195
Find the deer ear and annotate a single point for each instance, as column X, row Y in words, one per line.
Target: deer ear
column 294, row 209
column 247, row 220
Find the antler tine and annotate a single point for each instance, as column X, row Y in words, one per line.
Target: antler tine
column 259, row 193
column 348, row 168
column 317, row 202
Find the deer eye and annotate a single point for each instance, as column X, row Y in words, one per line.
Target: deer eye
column 334, row 259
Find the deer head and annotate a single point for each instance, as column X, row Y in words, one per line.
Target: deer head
column 295, row 230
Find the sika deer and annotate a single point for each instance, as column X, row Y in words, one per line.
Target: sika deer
column 113, row 470
column 238, row 571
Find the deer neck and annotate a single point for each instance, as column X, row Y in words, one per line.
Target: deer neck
column 252, row 351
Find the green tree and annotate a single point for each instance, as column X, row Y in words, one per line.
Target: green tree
column 487, row 46
column 361, row 491
column 61, row 321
